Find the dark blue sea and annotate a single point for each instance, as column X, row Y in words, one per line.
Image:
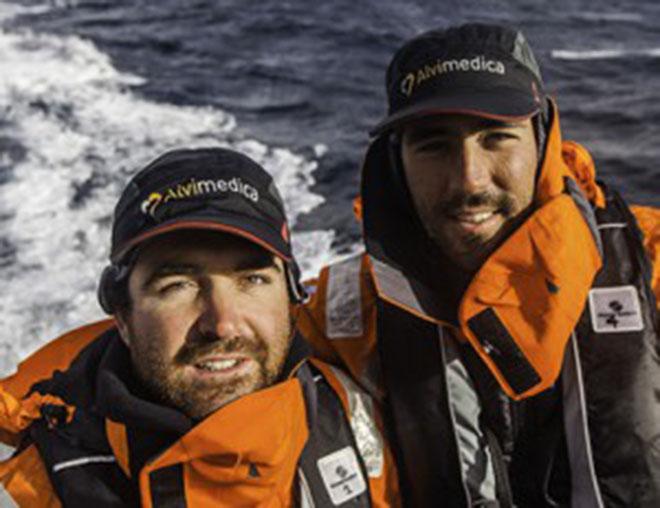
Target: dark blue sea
column 92, row 89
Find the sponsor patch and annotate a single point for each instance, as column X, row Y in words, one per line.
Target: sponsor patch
column 341, row 475
column 615, row 310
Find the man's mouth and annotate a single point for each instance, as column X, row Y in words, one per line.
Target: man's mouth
column 474, row 217
column 222, row 364
column 476, row 221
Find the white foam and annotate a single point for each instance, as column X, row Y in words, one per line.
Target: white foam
column 82, row 120
column 604, row 54
column 11, row 10
column 320, row 149
column 615, row 17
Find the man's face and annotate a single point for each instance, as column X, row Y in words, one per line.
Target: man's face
column 469, row 178
column 208, row 321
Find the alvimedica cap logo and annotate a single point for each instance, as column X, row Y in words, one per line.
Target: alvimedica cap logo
column 477, row 64
column 194, row 188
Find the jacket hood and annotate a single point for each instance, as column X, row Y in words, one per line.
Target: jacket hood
column 536, row 265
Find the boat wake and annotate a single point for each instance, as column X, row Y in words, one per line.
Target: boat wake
column 74, row 129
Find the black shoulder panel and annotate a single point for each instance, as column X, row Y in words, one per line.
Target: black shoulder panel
column 417, row 410
column 503, row 350
column 167, row 489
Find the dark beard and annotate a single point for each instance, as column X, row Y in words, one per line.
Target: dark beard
column 193, row 351
column 194, row 398
column 500, row 202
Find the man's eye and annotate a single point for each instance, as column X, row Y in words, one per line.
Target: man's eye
column 257, row 279
column 498, row 137
column 176, row 286
column 433, row 146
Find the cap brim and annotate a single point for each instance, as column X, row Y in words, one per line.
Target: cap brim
column 506, row 105
column 250, row 229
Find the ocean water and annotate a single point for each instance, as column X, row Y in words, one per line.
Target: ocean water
column 92, row 90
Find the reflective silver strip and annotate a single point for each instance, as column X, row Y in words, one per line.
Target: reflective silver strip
column 83, row 461
column 306, row 498
column 343, row 310
column 477, row 469
column 6, row 501
column 363, row 423
column 6, row 451
column 585, row 492
column 586, row 210
column 613, row 225
column 394, row 285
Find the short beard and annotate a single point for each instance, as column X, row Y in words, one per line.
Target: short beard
column 479, row 247
column 500, row 202
column 165, row 382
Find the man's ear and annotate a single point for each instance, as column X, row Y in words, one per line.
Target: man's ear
column 123, row 328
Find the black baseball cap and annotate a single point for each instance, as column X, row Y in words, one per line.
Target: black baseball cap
column 477, row 69
column 209, row 189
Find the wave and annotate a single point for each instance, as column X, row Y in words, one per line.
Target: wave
column 625, row 17
column 604, row 54
column 84, row 129
column 9, row 11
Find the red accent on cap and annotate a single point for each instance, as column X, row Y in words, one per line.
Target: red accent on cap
column 535, row 93
column 285, row 232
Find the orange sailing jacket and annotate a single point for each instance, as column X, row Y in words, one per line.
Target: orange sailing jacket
column 561, row 318
column 83, row 436
column 554, row 246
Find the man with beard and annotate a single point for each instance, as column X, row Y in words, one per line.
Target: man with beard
column 504, row 310
column 199, row 392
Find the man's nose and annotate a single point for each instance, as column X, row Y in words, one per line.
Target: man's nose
column 473, row 167
column 221, row 315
